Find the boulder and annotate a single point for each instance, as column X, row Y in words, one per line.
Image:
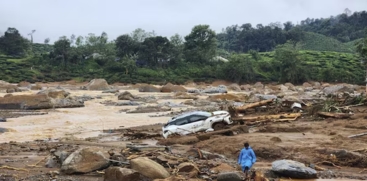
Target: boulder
column 306, row 84
column 54, row 93
column 85, row 160
column 234, row 87
column 2, row 119
column 283, row 88
column 69, row 102
column 215, row 90
column 230, row 176
column 246, row 87
column 293, row 169
column 23, row 89
column 259, row 85
column 148, row 88
column 189, row 168
column 97, row 84
column 265, row 97
column 121, row 174
column 149, row 168
column 126, row 96
column 113, row 91
column 41, row 101
column 316, row 85
column 290, row 86
column 7, row 86
column 36, row 87
column 335, row 89
column 3, row 130
column 173, row 88
column 25, row 84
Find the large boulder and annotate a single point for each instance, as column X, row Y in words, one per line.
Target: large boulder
column 69, row 102
column 97, row 84
column 259, row 85
column 335, row 89
column 149, row 168
column 234, row 87
column 214, row 90
column 189, row 168
column 121, row 174
column 173, row 88
column 36, row 87
column 85, row 160
column 25, row 84
column 148, row 88
column 126, row 96
column 54, row 93
column 40, row 101
column 293, row 169
column 290, row 86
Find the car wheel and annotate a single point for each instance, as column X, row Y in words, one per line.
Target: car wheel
column 218, row 126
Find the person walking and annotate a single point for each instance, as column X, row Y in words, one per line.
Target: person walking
column 246, row 158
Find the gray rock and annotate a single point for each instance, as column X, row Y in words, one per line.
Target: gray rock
column 214, row 90
column 332, row 90
column 84, row 98
column 149, row 168
column 128, row 103
column 67, row 103
column 230, row 176
column 51, row 162
column 293, row 169
column 61, row 156
column 3, row 130
column 2, row 119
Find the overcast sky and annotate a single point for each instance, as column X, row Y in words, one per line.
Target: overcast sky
column 55, row 18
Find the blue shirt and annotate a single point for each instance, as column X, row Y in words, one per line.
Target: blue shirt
column 246, row 158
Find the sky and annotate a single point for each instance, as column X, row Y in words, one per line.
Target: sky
column 55, row 18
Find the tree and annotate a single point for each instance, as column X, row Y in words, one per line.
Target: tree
column 126, row 46
column 62, row 49
column 12, row 43
column 362, row 51
column 177, row 48
column 47, row 40
column 289, row 65
column 288, row 26
column 238, row 69
column 139, row 35
column 295, row 35
column 155, row 50
column 200, row 45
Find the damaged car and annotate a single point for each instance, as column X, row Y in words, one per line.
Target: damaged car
column 196, row 121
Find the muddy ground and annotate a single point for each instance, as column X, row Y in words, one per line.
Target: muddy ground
column 308, row 140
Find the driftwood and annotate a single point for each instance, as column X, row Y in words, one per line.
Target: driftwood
column 252, row 105
column 13, row 168
column 268, row 117
column 357, row 135
column 335, row 115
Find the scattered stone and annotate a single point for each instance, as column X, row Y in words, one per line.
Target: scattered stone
column 214, row 90
column 36, row 87
column 332, row 90
column 293, row 169
column 85, row 160
column 149, row 168
column 97, row 84
column 54, row 93
column 246, row 87
column 121, row 174
column 23, row 89
column 259, row 85
column 51, row 163
column 3, row 130
column 306, row 84
column 184, row 95
column 283, row 88
column 173, row 88
column 265, row 97
column 290, row 86
column 6, row 85
column 69, row 102
column 113, row 91
column 61, row 156
column 25, row 84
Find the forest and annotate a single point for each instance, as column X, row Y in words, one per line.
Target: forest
column 330, row 49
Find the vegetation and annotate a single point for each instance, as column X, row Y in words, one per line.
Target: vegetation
column 314, row 50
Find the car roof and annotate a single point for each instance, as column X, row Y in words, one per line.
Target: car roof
column 202, row 113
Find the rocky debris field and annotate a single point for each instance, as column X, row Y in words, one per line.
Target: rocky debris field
column 308, row 131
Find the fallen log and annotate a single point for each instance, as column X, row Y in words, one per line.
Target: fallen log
column 267, row 117
column 335, row 115
column 357, row 135
column 252, row 105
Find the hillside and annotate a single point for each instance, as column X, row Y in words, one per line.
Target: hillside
column 319, row 42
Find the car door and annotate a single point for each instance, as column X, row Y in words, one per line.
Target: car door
column 196, row 123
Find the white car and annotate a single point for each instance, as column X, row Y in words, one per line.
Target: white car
column 196, row 121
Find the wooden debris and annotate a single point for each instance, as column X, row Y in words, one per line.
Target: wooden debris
column 252, row 105
column 13, row 168
column 335, row 115
column 357, row 135
column 268, row 117
column 329, row 163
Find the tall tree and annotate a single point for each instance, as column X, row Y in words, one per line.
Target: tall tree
column 155, row 50
column 295, row 35
column 12, row 43
column 139, row 35
column 200, row 45
column 62, row 49
column 47, row 40
column 126, row 46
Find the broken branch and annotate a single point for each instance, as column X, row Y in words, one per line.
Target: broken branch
column 268, row 117
column 256, row 104
column 13, row 168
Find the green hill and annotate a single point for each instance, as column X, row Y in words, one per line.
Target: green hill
column 319, row 42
